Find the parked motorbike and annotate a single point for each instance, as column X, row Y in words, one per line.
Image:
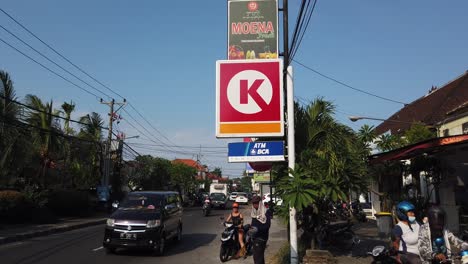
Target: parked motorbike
column 381, row 255
column 358, row 212
column 338, row 234
column 230, row 243
column 206, row 207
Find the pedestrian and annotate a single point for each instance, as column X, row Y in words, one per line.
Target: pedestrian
column 435, row 239
column 237, row 220
column 405, row 234
column 261, row 221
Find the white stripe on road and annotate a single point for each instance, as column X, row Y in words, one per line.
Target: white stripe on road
column 99, row 248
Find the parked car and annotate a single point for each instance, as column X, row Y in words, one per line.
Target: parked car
column 145, row 220
column 218, row 200
column 233, row 196
column 276, row 200
column 242, row 198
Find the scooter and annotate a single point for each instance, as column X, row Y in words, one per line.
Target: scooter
column 230, row 243
column 336, row 234
column 206, row 207
column 381, row 255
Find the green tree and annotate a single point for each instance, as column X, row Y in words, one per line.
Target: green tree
column 218, row 172
column 331, row 159
column 418, row 132
column 9, row 138
column 67, row 109
column 46, row 127
column 182, row 177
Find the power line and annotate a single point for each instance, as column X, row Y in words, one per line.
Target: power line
column 47, row 58
column 144, row 128
column 58, row 53
column 302, row 23
column 45, row 67
column 80, row 69
column 42, row 111
column 24, row 125
column 179, row 146
column 159, row 132
column 349, row 86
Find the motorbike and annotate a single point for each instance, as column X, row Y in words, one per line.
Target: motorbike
column 338, row 234
column 381, row 255
column 358, row 212
column 206, row 207
column 230, row 244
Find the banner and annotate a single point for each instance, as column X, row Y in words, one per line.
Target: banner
column 252, row 29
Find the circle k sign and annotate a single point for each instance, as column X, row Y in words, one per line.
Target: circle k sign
column 249, row 98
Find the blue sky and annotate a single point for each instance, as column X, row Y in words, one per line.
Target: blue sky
column 161, row 56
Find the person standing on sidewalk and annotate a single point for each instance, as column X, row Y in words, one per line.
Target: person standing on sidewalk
column 261, row 222
column 405, row 234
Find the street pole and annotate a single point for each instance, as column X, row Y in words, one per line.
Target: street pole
column 107, row 161
column 291, row 163
column 288, row 87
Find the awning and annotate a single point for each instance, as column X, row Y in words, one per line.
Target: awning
column 425, row 147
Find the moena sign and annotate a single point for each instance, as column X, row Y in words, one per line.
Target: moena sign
column 249, row 98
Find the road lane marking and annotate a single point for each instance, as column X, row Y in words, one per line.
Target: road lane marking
column 96, row 249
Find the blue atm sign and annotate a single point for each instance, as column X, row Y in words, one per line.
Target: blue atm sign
column 256, row 151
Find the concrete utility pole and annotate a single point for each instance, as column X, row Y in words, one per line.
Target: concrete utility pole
column 289, row 91
column 107, row 161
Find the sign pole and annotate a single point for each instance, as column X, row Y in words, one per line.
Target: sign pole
column 291, row 162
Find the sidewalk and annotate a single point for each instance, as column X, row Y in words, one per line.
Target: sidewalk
column 368, row 234
column 13, row 233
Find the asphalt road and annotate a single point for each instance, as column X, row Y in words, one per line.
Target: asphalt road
column 200, row 244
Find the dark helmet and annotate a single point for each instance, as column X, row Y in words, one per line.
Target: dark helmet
column 256, row 199
column 436, row 216
column 402, row 210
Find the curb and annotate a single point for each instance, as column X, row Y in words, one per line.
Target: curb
column 50, row 231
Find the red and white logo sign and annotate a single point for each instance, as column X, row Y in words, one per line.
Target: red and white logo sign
column 252, row 6
column 249, row 98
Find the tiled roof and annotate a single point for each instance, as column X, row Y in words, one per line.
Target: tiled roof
column 430, row 109
column 189, row 162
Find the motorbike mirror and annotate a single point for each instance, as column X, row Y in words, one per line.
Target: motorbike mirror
column 115, row 204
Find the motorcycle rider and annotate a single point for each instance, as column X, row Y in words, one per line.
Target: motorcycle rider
column 237, row 219
column 405, row 234
column 261, row 221
column 435, row 239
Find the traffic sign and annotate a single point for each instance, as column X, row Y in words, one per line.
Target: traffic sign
column 256, row 151
column 249, row 98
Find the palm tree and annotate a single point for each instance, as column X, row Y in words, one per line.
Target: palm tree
column 331, row 162
column 9, row 112
column 41, row 118
column 68, row 108
column 91, row 131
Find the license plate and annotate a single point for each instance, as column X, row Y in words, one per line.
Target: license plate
column 128, row 236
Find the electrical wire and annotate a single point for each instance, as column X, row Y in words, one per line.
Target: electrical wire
column 309, row 16
column 347, row 85
column 42, row 111
column 47, row 58
column 58, row 53
column 52, row 71
column 81, row 70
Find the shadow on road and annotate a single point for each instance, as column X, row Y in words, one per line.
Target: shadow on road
column 189, row 242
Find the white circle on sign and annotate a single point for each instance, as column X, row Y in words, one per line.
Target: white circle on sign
column 241, row 97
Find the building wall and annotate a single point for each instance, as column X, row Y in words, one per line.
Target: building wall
column 454, row 127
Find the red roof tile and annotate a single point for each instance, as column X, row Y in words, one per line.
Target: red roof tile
column 189, row 162
column 430, row 109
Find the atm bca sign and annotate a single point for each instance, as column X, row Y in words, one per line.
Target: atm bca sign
column 249, row 98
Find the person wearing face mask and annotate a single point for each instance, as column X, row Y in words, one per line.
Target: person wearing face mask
column 405, row 234
column 435, row 240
